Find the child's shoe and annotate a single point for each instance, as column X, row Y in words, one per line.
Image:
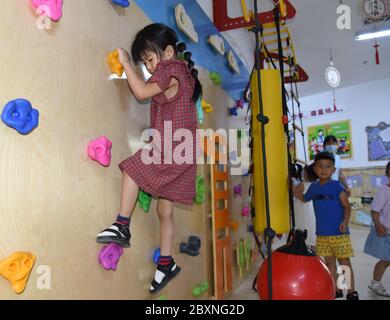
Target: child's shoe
column 162, row 276
column 117, row 233
column 379, row 289
column 339, row 294
column 352, row 295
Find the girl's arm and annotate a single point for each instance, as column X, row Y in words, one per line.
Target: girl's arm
column 298, row 191
column 343, row 181
column 379, row 227
column 142, row 90
column 347, row 211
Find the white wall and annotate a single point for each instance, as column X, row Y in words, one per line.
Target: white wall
column 365, row 105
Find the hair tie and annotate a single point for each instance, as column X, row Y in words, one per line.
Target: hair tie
column 181, row 46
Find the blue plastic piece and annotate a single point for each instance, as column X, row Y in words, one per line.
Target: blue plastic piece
column 199, row 110
column 122, row 3
column 20, row 115
column 156, row 255
column 233, row 111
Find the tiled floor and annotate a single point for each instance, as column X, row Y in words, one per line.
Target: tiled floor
column 362, row 264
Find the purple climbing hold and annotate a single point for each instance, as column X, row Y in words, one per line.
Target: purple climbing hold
column 109, row 256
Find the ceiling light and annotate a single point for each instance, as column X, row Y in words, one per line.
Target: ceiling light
column 372, row 35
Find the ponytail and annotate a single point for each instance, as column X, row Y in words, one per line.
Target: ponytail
column 181, row 49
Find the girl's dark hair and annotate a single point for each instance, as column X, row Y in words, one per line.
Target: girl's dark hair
column 311, row 175
column 296, row 171
column 156, row 38
column 329, row 139
column 388, row 169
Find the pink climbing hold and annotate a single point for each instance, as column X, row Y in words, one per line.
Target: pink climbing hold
column 100, row 150
column 237, row 190
column 245, row 211
column 109, row 256
column 52, row 8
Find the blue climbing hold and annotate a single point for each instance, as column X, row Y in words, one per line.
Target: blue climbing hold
column 122, row 3
column 156, row 255
column 20, row 115
column 233, row 111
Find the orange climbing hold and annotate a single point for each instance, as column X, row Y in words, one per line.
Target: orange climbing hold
column 113, row 62
column 17, row 268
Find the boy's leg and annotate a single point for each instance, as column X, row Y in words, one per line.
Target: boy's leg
column 119, row 231
column 346, row 263
column 166, row 267
column 330, row 262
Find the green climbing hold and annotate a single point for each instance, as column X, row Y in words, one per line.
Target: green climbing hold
column 144, row 200
column 200, row 189
column 215, row 77
column 200, row 288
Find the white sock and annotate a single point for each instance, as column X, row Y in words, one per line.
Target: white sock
column 375, row 283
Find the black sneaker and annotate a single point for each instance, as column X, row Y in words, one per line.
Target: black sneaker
column 352, row 295
column 339, row 294
column 165, row 273
column 117, row 233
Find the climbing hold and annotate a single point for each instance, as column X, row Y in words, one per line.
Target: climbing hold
column 200, row 288
column 233, row 111
column 240, row 103
column 234, row 225
column 192, row 247
column 122, row 3
column 144, row 200
column 52, row 8
column 237, row 190
column 207, row 107
column 113, row 62
column 17, row 268
column 100, row 150
column 156, row 255
column 245, row 211
column 200, row 188
column 109, row 256
column 215, row 77
column 20, row 115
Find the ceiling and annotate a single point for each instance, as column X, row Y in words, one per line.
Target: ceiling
column 314, row 33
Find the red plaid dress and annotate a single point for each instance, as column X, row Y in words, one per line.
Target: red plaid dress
column 169, row 180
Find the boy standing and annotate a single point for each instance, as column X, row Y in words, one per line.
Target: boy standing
column 332, row 212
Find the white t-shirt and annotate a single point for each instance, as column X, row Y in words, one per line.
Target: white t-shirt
column 337, row 164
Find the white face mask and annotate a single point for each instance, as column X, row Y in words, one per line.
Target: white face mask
column 331, row 148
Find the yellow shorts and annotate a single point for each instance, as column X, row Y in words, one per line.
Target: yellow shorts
column 337, row 246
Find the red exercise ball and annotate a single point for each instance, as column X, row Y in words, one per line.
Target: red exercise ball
column 296, row 277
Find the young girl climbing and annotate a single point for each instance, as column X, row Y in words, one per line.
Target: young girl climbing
column 174, row 88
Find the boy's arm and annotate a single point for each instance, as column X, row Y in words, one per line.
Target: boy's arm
column 347, row 211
